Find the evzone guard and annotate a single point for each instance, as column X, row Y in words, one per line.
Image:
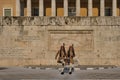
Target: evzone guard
column 66, row 59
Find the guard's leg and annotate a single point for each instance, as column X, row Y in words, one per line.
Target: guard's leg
column 71, row 68
column 62, row 71
column 63, row 64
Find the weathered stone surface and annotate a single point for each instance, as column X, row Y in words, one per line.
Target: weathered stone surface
column 36, row 40
column 0, row 21
column 31, row 21
column 7, row 21
column 104, row 21
column 16, row 21
column 82, row 39
column 1, row 29
column 116, row 21
column 61, row 21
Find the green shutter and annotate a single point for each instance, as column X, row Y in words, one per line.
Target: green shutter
column 7, row 12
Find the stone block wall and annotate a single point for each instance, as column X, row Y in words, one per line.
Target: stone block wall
column 36, row 40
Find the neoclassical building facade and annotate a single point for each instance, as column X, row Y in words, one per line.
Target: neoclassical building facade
column 35, row 40
column 60, row 8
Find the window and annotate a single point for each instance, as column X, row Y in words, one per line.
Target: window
column 71, row 11
column 108, row 12
column 35, row 11
column 7, row 12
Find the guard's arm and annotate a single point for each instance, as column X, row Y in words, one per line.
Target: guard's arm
column 73, row 52
column 56, row 55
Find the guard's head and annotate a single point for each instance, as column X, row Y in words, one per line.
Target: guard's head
column 63, row 44
column 72, row 45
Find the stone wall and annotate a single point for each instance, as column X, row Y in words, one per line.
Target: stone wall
column 36, row 40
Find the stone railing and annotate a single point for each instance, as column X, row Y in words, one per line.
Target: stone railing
column 59, row 21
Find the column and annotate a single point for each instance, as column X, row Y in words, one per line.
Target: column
column 77, row 7
column 28, row 7
column 102, row 7
column 89, row 7
column 53, row 7
column 41, row 7
column 65, row 7
column 114, row 7
column 18, row 11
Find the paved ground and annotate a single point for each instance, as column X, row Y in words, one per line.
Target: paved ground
column 20, row 73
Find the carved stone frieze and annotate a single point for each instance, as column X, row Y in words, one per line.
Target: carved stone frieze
column 60, row 21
